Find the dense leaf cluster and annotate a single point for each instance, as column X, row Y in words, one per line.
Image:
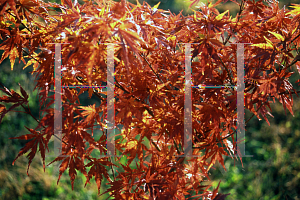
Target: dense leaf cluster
column 149, row 65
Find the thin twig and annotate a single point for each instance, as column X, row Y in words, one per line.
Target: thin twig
column 28, row 111
column 296, row 59
column 158, row 149
column 229, row 75
column 202, row 147
column 80, row 79
column 31, row 56
column 254, row 114
column 271, row 97
column 295, row 38
column 137, row 99
column 151, row 68
column 176, row 146
column 8, row 11
column 112, row 169
column 240, row 12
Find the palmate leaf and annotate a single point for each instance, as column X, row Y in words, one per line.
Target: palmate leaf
column 73, row 162
column 296, row 10
column 89, row 112
column 98, row 171
column 149, row 77
column 12, row 97
column 37, row 141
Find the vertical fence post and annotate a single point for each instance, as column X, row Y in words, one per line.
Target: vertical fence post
column 110, row 101
column 240, row 100
column 188, row 143
column 57, row 102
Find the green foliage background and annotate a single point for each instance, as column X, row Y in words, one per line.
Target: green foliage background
column 272, row 173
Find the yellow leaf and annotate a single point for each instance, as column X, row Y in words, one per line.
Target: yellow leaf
column 117, row 59
column 220, row 16
column 138, row 3
column 113, row 24
column 160, row 86
column 294, row 30
column 268, row 41
column 212, row 162
column 69, row 30
column 131, row 144
column 102, row 12
column 133, row 9
column 172, row 38
column 195, row 17
column 296, row 11
column 156, row 6
column 263, row 45
column 12, row 57
column 88, row 111
column 35, row 66
column 278, row 36
column 30, row 62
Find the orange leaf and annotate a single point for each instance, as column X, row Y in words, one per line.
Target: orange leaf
column 12, row 57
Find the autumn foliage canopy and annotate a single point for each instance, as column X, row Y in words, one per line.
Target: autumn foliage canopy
column 149, row 61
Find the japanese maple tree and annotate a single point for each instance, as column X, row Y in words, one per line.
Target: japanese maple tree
column 149, row 62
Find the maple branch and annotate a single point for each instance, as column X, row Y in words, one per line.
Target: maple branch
column 179, row 161
column 253, row 114
column 166, row 86
column 124, row 90
column 8, row 11
column 31, row 56
column 229, row 75
column 155, row 145
column 271, row 96
column 216, row 141
column 296, row 59
column 295, row 38
column 44, row 126
column 80, row 79
column 6, row 88
column 28, row 111
column 151, row 67
column 240, row 12
column 112, row 169
column 175, row 144
column 296, row 48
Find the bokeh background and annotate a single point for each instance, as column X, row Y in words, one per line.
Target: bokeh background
column 273, row 173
